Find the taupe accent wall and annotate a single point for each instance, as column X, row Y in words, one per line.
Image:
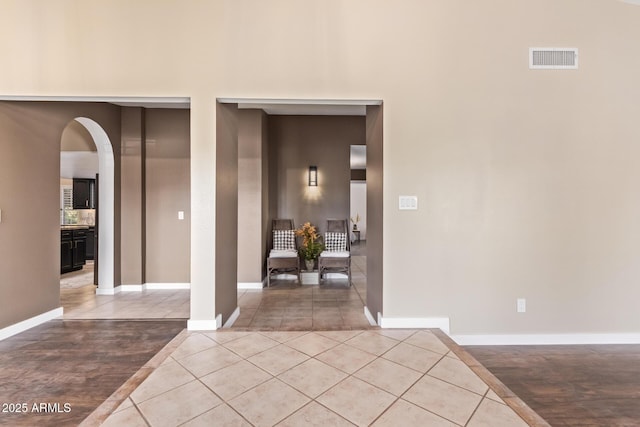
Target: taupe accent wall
column 30, row 135
column 323, row 141
column 76, row 137
column 226, row 215
column 167, row 191
column 253, row 186
column 132, row 196
column 375, row 212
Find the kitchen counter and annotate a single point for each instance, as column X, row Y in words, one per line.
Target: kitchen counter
column 75, row 227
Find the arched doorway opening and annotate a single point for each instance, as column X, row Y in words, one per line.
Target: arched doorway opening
column 106, row 214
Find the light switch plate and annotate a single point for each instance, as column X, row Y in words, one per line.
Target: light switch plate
column 180, row 215
column 408, row 202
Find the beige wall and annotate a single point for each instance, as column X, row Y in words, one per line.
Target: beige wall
column 323, row 141
column 526, row 179
column 167, row 183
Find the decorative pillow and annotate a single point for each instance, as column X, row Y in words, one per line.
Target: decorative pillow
column 335, row 242
column 284, row 240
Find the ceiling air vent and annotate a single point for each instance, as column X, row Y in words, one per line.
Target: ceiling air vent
column 548, row 58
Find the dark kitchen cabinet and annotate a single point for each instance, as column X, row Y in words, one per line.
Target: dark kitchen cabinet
column 91, row 242
column 83, row 193
column 66, row 251
column 73, row 249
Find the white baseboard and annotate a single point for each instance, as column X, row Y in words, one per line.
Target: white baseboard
column 250, row 285
column 131, row 288
column 16, row 328
column 202, row 325
column 109, row 291
column 547, row 339
column 415, row 323
column 369, row 316
column 154, row 286
column 170, row 286
column 234, row 316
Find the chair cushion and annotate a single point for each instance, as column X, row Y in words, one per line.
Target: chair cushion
column 335, row 254
column 284, row 240
column 335, row 242
column 283, row 254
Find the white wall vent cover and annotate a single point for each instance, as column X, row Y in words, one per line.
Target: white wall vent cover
column 549, row 58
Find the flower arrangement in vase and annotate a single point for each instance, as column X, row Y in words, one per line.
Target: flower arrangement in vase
column 355, row 221
column 312, row 246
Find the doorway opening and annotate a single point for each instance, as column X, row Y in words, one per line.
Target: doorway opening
column 285, row 195
column 88, row 169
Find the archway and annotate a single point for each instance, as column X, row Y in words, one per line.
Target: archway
column 106, row 206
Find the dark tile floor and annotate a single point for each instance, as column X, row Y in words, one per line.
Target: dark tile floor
column 73, row 366
column 571, row 385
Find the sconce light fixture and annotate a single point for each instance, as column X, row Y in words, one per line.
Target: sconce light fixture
column 313, row 176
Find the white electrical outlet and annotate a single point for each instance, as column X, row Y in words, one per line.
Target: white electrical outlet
column 180, row 215
column 521, row 305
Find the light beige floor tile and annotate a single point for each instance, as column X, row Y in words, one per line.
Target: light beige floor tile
column 269, row 403
column 340, row 336
column 312, row 343
column 223, row 337
column 194, row 343
column 456, row 372
column 234, row 380
column 493, row 396
column 251, row 344
column 372, row 342
column 427, row 340
column 220, row 416
column 356, row 401
column 412, row 357
column 315, row 415
column 278, row 359
column 396, row 334
column 346, row 358
column 179, row 405
column 448, row 401
column 129, row 417
column 403, row 413
column 164, row 378
column 283, row 336
column 389, row 376
column 208, row 361
column 493, row 414
column 312, row 377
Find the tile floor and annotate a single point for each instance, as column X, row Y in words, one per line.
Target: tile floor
column 298, row 378
column 286, row 305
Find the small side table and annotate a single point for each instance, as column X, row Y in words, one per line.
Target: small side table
column 356, row 236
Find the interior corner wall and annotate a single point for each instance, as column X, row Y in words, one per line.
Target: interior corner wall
column 132, row 196
column 30, row 135
column 375, row 205
column 323, row 141
column 167, row 192
column 251, row 192
column 226, row 260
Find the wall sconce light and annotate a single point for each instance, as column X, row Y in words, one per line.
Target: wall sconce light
column 313, row 176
